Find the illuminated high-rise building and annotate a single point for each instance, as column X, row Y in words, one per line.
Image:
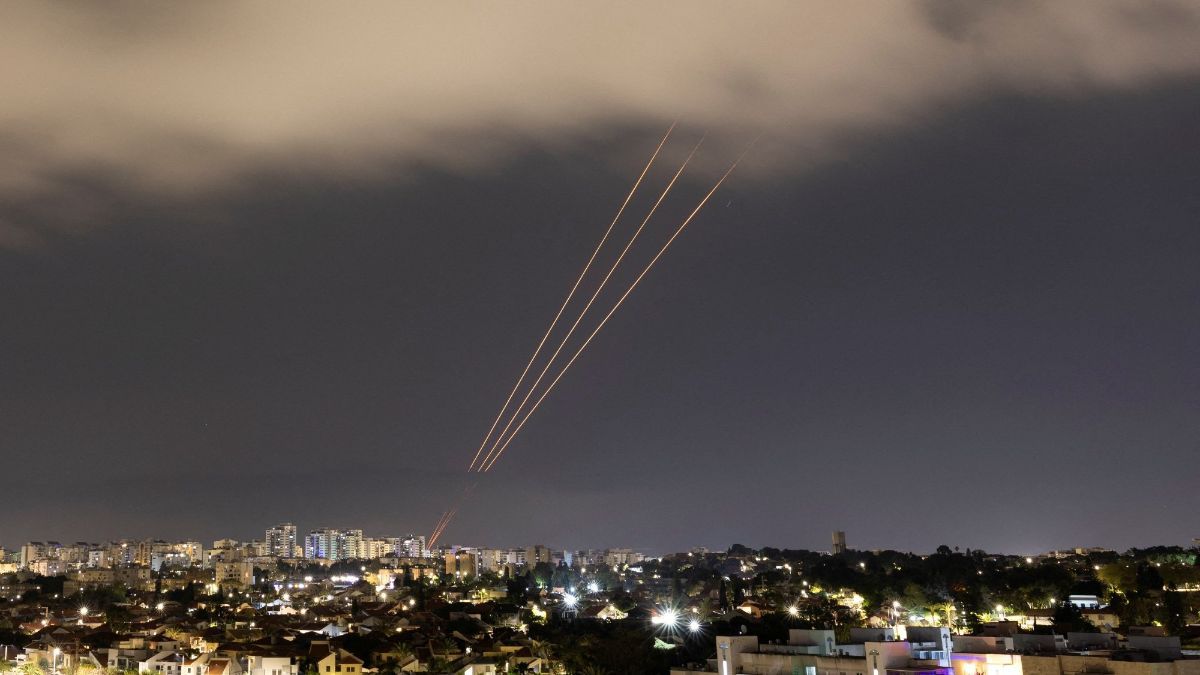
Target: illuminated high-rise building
column 281, row 540
column 413, row 546
column 325, row 543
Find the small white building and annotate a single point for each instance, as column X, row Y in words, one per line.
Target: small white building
column 166, row 662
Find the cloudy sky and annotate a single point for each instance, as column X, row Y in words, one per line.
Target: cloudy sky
column 263, row 263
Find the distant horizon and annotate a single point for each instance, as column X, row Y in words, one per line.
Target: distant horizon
column 300, row 532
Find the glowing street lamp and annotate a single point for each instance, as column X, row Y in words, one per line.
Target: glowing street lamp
column 694, row 625
column 667, row 618
column 793, row 611
column 569, row 600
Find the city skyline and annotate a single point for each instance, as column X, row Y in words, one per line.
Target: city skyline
column 949, row 296
column 303, row 546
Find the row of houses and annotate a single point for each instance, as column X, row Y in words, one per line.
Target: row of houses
column 485, row 638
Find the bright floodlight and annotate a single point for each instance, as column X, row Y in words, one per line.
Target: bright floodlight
column 793, row 610
column 694, row 625
column 83, row 611
column 668, row 618
column 569, row 600
column 593, row 587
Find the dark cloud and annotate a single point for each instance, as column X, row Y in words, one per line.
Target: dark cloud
column 185, row 101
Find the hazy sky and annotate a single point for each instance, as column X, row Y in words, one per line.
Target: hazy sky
column 264, row 263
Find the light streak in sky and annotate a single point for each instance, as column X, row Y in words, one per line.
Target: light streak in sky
column 563, row 343
column 571, row 294
column 488, row 465
column 441, row 528
column 449, row 515
column 437, row 529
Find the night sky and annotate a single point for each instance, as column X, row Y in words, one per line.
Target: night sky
column 950, row 297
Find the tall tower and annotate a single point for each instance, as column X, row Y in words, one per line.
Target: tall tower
column 839, row 542
column 326, row 543
column 281, row 540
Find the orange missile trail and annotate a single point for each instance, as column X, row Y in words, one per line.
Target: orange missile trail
column 437, row 528
column 571, row 294
column 638, row 280
column 449, row 515
column 588, row 306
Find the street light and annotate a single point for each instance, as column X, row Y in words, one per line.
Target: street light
column 666, row 617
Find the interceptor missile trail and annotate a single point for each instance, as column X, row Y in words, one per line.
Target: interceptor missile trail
column 571, row 294
column 437, row 528
column 590, row 301
column 437, row 533
column 638, row 280
column 449, row 515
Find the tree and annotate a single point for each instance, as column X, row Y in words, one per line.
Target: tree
column 1068, row 619
column 1173, row 618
